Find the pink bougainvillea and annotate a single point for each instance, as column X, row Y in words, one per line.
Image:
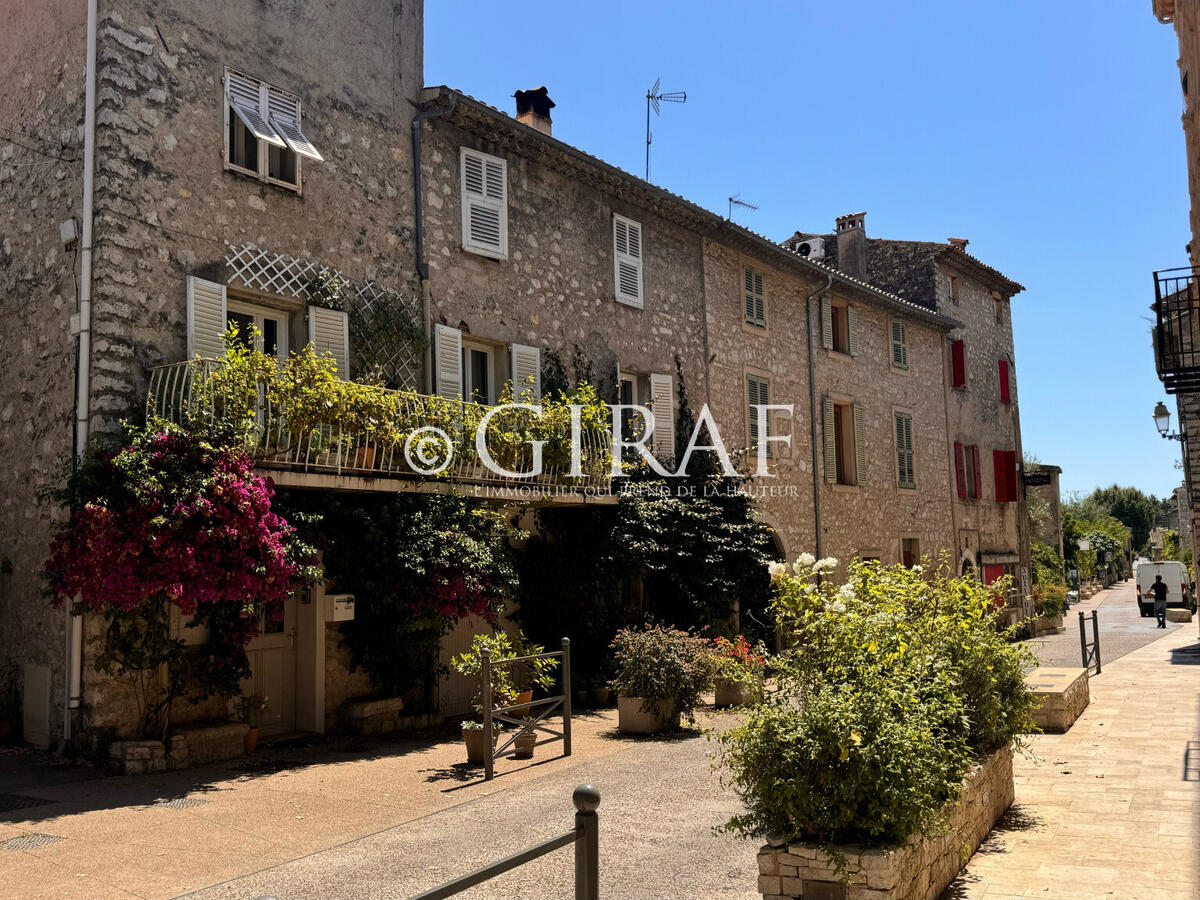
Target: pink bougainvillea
column 171, row 517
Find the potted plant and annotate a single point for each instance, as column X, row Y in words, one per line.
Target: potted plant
column 738, row 671
column 250, row 710
column 524, row 742
column 660, row 675
column 472, row 733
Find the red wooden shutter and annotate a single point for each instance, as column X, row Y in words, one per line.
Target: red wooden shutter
column 1011, row 470
column 1005, row 396
column 960, row 364
column 978, row 475
column 960, row 471
column 1001, row 478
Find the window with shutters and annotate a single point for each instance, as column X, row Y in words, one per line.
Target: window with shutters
column 845, row 451
column 967, row 472
column 899, row 344
column 952, row 288
column 632, row 392
column 757, row 394
column 839, row 327
column 263, row 132
column 756, row 305
column 906, row 476
column 627, row 260
column 258, row 328
column 1005, row 385
column 484, row 204
column 958, row 364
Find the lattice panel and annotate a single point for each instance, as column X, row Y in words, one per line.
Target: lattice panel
column 386, row 339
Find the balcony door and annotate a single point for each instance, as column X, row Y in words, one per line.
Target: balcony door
column 272, row 325
column 273, row 671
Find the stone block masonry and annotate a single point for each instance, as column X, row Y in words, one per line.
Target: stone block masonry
column 922, row 868
column 1063, row 694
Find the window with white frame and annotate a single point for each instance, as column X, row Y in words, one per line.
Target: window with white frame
column 263, row 134
column 627, row 260
column 484, row 204
column 258, row 328
column 478, row 373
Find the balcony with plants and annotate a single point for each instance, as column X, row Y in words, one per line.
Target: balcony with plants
column 298, row 418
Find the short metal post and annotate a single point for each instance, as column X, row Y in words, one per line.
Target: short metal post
column 566, row 687
column 1096, row 639
column 1083, row 638
column 587, row 843
column 485, row 692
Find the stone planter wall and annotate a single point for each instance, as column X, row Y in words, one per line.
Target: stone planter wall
column 922, row 868
column 1046, row 624
column 1063, row 696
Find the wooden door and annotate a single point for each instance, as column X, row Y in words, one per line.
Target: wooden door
column 273, row 672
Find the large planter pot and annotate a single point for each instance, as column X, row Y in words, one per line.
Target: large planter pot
column 522, row 703
column 474, row 739
column 523, row 745
column 636, row 716
column 1046, row 624
column 602, row 696
column 735, row 693
column 250, row 740
column 921, row 869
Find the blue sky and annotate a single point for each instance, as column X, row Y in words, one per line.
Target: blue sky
column 1046, row 133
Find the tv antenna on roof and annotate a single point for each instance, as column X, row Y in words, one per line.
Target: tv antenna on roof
column 734, row 201
column 653, row 97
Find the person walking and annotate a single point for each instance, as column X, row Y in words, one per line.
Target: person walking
column 1159, row 590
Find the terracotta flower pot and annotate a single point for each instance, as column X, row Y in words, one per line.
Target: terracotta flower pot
column 250, row 740
column 473, row 738
column 524, row 744
column 364, row 457
column 602, row 695
column 632, row 718
column 522, row 702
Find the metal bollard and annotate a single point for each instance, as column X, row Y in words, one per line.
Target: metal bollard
column 587, row 843
column 1083, row 638
column 1096, row 639
column 566, row 686
column 485, row 692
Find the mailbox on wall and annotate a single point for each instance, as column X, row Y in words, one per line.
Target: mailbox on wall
column 339, row 607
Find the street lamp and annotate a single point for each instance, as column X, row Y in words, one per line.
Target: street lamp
column 1162, row 421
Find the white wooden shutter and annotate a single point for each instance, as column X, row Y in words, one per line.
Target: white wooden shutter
column 484, row 204
column 860, row 447
column 526, row 364
column 245, row 97
column 662, row 400
column 206, row 318
column 899, row 344
column 756, row 313
column 852, row 329
column 829, row 423
column 329, row 332
column 447, row 352
column 284, row 112
column 826, row 323
column 627, row 260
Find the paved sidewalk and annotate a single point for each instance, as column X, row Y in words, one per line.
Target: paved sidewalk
column 1112, row 808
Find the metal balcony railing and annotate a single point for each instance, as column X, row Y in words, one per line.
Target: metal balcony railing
column 183, row 393
column 1177, row 328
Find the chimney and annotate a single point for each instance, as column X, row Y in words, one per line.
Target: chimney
column 959, row 243
column 533, row 108
column 852, row 244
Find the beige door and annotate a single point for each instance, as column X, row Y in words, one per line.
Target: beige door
column 273, row 672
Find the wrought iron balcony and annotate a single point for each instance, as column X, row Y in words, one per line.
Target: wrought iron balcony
column 181, row 393
column 1177, row 329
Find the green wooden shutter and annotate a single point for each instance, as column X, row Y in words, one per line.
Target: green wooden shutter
column 826, row 323
column 830, row 442
column 905, row 475
column 899, row 345
column 852, row 329
column 755, row 303
column 860, row 448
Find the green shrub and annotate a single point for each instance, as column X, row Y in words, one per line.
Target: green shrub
column 894, row 680
column 659, row 663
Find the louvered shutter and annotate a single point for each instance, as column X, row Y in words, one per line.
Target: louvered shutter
column 1010, row 471
column 206, row 318
column 484, row 204
column 904, row 450
column 245, row 97
column 958, row 358
column 899, row 345
column 852, row 329
column 526, row 365
column 976, row 472
column 860, row 447
column 829, row 423
column 1005, row 395
column 756, row 311
column 627, row 260
column 329, row 332
column 662, row 397
column 284, row 112
column 998, row 473
column 826, row 323
column 447, row 352
column 757, row 394
column 960, row 470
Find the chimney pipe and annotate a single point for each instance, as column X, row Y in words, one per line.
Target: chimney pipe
column 852, row 244
column 959, row 243
column 533, row 108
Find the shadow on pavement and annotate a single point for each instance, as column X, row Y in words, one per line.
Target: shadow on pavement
column 1186, row 656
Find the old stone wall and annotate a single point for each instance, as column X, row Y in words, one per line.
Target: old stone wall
column 989, row 532
column 873, row 518
column 41, row 152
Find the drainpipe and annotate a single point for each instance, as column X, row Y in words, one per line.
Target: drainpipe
column 72, row 665
column 813, row 298
column 419, row 234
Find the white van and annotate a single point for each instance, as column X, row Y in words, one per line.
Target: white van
column 1174, row 575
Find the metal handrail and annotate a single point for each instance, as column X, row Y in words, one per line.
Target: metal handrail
column 585, row 836
column 491, row 713
column 1091, row 654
